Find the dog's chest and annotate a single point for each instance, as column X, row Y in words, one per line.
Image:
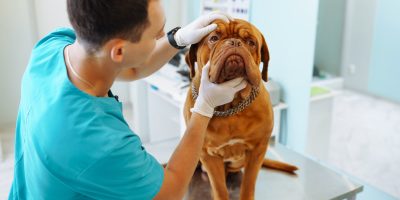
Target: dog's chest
column 233, row 152
column 230, row 151
column 250, row 126
column 232, row 137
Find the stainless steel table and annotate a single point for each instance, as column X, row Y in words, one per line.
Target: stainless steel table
column 313, row 181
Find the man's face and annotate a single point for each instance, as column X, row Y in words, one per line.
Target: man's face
column 137, row 53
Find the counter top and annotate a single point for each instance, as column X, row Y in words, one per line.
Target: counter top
column 313, row 181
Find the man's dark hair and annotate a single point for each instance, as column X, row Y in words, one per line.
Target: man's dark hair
column 97, row 21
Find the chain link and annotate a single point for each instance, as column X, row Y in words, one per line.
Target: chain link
column 242, row 105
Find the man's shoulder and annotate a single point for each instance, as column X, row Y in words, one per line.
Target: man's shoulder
column 47, row 60
column 58, row 36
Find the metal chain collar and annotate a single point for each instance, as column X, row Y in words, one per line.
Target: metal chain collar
column 242, row 105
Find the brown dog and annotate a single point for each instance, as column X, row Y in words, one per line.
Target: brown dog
column 238, row 134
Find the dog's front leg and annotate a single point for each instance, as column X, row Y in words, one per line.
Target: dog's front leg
column 216, row 173
column 254, row 160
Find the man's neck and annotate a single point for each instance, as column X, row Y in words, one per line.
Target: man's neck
column 95, row 69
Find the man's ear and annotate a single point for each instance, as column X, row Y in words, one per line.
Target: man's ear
column 191, row 58
column 117, row 51
column 264, row 59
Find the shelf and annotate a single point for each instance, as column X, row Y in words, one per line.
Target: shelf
column 280, row 106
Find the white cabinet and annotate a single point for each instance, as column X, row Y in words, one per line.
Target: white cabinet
column 164, row 116
column 158, row 106
column 319, row 126
column 320, row 117
column 278, row 109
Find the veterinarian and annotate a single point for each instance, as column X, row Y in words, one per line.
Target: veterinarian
column 72, row 140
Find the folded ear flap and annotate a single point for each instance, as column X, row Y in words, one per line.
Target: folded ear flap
column 264, row 59
column 191, row 58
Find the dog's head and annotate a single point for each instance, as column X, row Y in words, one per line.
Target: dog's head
column 234, row 50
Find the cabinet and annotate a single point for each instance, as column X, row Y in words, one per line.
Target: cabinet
column 320, row 117
column 165, row 116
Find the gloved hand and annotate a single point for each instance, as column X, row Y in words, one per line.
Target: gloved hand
column 195, row 31
column 212, row 95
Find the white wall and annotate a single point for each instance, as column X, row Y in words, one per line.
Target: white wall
column 17, row 37
column 50, row 14
column 290, row 30
column 357, row 46
column 384, row 71
column 175, row 13
column 328, row 49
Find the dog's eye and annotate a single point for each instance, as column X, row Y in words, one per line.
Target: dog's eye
column 251, row 43
column 214, row 38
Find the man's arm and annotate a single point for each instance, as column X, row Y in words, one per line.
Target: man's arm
column 163, row 52
column 183, row 162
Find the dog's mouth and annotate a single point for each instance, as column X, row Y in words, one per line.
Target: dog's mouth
column 229, row 66
column 233, row 68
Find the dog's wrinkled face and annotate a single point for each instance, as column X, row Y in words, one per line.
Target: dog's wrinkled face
column 234, row 50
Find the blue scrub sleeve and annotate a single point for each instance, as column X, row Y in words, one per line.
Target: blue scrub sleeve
column 128, row 172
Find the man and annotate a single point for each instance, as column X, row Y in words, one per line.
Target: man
column 72, row 141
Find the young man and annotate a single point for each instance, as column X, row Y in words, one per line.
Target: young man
column 72, row 141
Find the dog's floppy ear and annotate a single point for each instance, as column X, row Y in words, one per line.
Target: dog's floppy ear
column 191, row 58
column 264, row 59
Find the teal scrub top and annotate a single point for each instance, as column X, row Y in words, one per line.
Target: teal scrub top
column 71, row 145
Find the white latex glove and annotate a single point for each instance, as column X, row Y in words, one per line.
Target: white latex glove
column 212, row 95
column 195, row 31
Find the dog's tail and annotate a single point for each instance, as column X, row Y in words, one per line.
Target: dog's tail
column 281, row 166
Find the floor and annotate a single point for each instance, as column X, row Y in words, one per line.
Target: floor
column 7, row 162
column 365, row 142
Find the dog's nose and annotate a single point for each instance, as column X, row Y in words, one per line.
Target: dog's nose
column 234, row 42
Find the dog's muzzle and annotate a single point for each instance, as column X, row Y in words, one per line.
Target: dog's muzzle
column 230, row 65
column 233, row 67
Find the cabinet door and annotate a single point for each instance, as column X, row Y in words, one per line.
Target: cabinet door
column 164, row 117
